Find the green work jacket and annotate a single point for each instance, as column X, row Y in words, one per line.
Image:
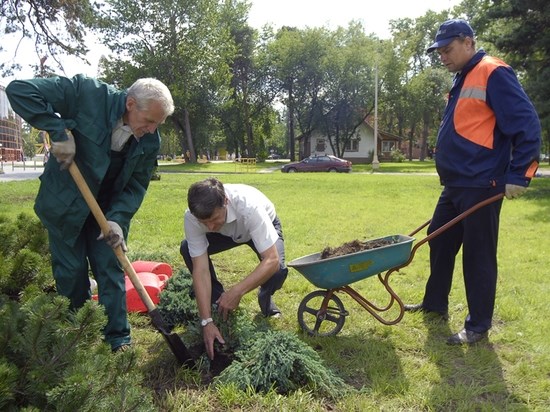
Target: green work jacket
column 90, row 109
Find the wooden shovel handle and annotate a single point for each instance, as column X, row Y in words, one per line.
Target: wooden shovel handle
column 105, row 229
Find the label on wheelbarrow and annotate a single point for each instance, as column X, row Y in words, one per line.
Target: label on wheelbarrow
column 358, row 267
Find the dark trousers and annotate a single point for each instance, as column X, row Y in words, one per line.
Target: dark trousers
column 218, row 243
column 70, row 271
column 477, row 234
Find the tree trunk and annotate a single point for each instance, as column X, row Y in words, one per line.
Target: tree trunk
column 424, row 138
column 291, row 137
column 189, row 137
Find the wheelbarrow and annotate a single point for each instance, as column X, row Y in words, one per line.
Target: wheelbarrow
column 322, row 313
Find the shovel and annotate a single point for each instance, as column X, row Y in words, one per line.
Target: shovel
column 174, row 341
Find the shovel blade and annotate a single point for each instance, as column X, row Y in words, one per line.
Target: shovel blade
column 179, row 349
column 177, row 346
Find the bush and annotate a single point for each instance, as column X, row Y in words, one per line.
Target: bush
column 25, row 267
column 266, row 359
column 176, row 305
column 275, row 360
column 54, row 359
column 397, row 156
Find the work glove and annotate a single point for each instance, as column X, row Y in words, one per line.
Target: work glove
column 513, row 191
column 64, row 151
column 115, row 237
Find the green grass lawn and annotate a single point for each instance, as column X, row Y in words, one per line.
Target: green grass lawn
column 407, row 366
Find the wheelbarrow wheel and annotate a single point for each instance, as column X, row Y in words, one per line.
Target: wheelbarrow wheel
column 316, row 321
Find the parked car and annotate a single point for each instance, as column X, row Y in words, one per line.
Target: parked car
column 325, row 163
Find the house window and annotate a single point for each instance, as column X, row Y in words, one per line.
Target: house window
column 388, row 146
column 320, row 145
column 352, row 145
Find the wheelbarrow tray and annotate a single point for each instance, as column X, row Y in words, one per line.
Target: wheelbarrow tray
column 343, row 270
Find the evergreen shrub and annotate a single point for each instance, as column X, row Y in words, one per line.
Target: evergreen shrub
column 52, row 358
column 264, row 359
column 25, row 268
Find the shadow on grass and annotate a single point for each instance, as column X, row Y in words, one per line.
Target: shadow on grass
column 471, row 377
column 362, row 361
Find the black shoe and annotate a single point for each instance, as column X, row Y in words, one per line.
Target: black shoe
column 267, row 307
column 468, row 337
column 419, row 307
column 122, row 348
column 274, row 311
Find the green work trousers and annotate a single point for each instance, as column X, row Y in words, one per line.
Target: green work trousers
column 71, row 274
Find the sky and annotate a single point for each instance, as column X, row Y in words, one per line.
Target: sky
column 375, row 17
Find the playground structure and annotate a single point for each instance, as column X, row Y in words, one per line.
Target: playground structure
column 11, row 134
column 11, row 141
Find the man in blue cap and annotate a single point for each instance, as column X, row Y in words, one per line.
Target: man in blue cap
column 488, row 143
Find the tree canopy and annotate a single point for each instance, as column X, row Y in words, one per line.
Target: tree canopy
column 55, row 27
column 247, row 90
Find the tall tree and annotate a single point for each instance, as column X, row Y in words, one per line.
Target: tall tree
column 299, row 58
column 248, row 114
column 184, row 44
column 349, row 91
column 415, row 81
column 519, row 30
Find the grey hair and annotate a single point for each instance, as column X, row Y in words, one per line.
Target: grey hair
column 204, row 197
column 148, row 89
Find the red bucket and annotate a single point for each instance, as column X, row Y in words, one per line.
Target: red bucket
column 158, row 268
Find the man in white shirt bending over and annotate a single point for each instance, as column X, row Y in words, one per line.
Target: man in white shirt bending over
column 221, row 217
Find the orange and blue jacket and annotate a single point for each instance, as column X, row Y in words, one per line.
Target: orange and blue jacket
column 490, row 134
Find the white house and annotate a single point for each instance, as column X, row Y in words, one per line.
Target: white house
column 360, row 149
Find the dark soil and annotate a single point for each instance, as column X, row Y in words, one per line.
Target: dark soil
column 353, row 247
column 222, row 359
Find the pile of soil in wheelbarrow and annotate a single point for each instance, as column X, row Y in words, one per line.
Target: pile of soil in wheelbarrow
column 353, row 247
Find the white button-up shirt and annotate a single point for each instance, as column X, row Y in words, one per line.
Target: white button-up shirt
column 250, row 216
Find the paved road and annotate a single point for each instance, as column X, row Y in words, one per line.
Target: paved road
column 32, row 171
column 16, row 171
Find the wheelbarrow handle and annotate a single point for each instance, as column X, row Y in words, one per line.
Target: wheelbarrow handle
column 105, row 229
column 454, row 221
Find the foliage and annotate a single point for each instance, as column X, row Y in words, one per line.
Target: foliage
column 24, row 257
column 247, row 116
column 280, row 361
column 56, row 27
column 228, row 80
column 49, row 353
column 176, row 305
column 186, row 45
column 266, row 359
column 397, row 156
column 519, row 29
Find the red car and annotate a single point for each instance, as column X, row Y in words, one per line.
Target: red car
column 325, row 163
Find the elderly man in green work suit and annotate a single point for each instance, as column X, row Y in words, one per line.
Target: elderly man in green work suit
column 112, row 135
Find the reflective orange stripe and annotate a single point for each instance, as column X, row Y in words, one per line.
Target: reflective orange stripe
column 532, row 169
column 473, row 119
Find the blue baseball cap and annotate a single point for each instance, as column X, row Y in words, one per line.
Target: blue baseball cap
column 449, row 31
